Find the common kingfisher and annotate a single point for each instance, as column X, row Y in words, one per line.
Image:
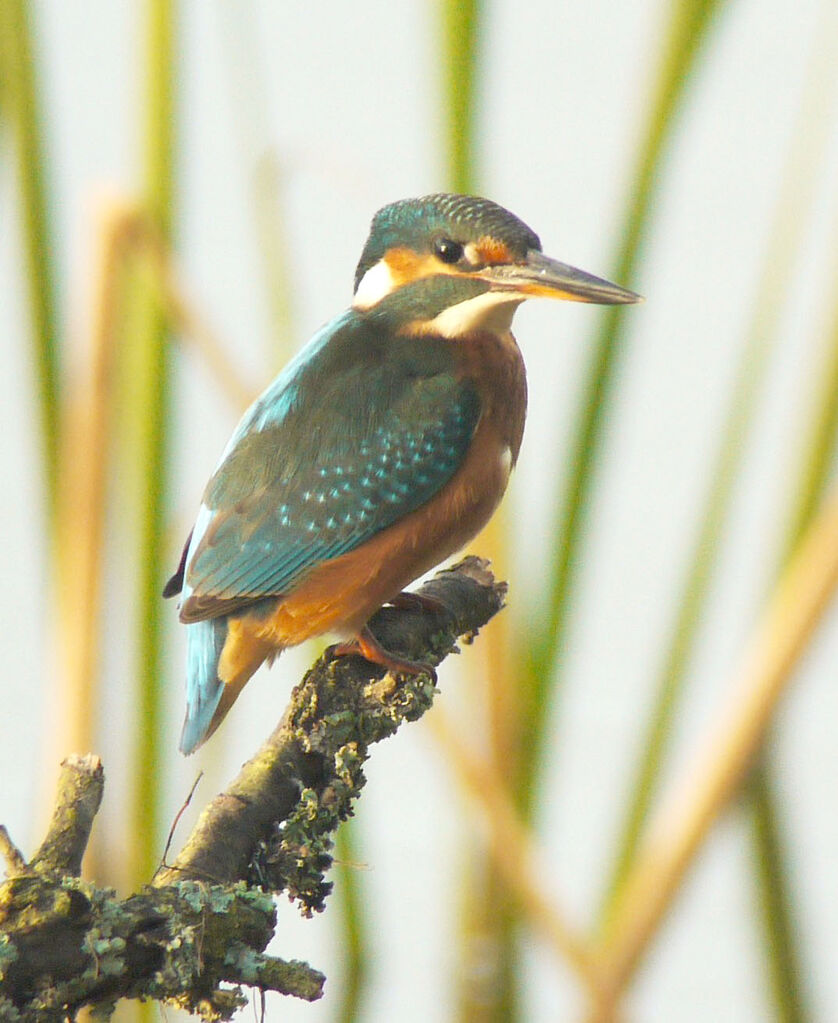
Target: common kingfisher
column 378, row 452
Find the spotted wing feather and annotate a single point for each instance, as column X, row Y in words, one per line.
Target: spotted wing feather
column 369, row 444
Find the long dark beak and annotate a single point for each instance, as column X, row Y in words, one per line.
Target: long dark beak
column 543, row 277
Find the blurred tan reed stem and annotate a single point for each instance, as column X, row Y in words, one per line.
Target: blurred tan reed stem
column 511, row 846
column 791, row 218
column 678, row 831
column 195, row 331
column 86, row 438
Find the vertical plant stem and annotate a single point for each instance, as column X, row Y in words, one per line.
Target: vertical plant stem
column 355, row 938
column 21, row 107
column 775, row 903
column 488, row 968
column 819, row 449
column 782, row 956
column 804, row 156
column 355, row 928
column 460, row 38
column 794, row 611
column 86, row 439
column 491, row 992
column 689, row 25
column 151, row 388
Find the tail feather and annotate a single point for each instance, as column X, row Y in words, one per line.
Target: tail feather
column 220, row 658
column 204, row 689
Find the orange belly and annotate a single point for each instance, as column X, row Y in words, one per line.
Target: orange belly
column 340, row 595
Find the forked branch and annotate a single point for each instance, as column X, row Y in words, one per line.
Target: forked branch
column 206, row 919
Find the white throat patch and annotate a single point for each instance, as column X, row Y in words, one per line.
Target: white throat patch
column 377, row 283
column 492, row 311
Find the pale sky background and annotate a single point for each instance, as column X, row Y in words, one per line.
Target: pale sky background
column 345, row 97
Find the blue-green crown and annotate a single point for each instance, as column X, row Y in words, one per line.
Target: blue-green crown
column 417, row 223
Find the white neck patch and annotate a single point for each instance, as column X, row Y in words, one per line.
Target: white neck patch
column 492, row 311
column 377, row 283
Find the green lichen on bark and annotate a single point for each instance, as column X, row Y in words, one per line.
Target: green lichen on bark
column 176, row 944
column 198, row 933
column 333, row 724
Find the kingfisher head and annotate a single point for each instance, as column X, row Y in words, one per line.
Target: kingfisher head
column 450, row 264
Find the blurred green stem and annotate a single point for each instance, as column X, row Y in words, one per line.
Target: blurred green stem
column 460, row 37
column 819, row 450
column 355, row 930
column 21, row 107
column 774, row 901
column 489, row 982
column 150, row 390
column 689, row 25
column 489, row 971
column 804, row 159
column 805, row 153
column 782, row 957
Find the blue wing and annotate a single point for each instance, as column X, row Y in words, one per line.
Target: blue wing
column 359, row 431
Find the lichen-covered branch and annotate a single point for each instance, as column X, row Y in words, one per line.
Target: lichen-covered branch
column 206, row 919
column 309, row 770
column 80, row 787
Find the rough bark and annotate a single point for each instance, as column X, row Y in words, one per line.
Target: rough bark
column 206, row 919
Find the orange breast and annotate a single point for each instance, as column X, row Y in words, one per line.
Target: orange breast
column 340, row 595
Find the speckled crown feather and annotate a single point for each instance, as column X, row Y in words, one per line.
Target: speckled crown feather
column 417, row 223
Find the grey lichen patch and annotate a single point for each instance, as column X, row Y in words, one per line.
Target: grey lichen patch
column 244, row 963
column 9, row 1011
column 202, row 897
column 248, row 967
column 336, row 720
column 410, row 700
column 331, row 731
column 108, row 954
column 193, row 894
column 349, row 762
column 185, row 941
column 300, row 854
column 217, row 919
column 170, row 944
column 8, row 954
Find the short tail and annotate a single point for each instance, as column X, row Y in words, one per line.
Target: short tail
column 204, row 644
column 208, row 695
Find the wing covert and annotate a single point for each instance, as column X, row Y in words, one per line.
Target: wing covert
column 337, row 469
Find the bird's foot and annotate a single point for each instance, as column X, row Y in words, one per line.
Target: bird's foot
column 368, row 647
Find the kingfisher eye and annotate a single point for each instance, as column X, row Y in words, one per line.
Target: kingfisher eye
column 448, row 250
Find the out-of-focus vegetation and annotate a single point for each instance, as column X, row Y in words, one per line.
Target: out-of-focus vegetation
column 111, row 405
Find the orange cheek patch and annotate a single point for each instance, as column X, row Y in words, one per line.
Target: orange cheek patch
column 405, row 265
column 493, row 251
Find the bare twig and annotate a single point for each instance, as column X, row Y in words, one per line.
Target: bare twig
column 176, row 821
